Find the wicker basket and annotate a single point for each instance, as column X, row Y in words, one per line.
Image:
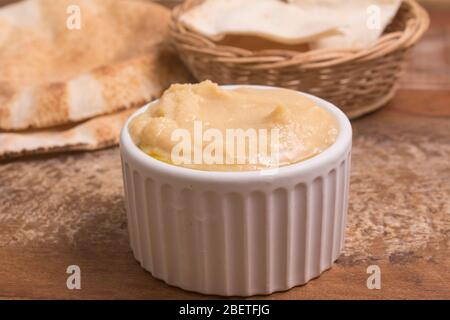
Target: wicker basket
column 358, row 81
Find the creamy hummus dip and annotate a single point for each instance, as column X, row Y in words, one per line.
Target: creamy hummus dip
column 199, row 126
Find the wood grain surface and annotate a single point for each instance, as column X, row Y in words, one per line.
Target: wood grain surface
column 67, row 209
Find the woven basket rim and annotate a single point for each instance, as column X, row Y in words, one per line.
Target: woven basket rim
column 194, row 42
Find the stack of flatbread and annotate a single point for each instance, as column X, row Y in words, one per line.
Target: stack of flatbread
column 318, row 23
column 72, row 71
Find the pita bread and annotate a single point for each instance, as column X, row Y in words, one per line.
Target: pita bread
column 271, row 19
column 354, row 18
column 93, row 134
column 51, row 75
column 255, row 43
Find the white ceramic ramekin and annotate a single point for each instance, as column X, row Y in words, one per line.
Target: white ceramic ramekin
column 238, row 233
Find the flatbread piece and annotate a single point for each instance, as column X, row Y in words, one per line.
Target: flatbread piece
column 53, row 75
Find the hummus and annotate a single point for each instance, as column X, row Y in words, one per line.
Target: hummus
column 199, row 125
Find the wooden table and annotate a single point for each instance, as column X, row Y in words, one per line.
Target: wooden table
column 63, row 210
